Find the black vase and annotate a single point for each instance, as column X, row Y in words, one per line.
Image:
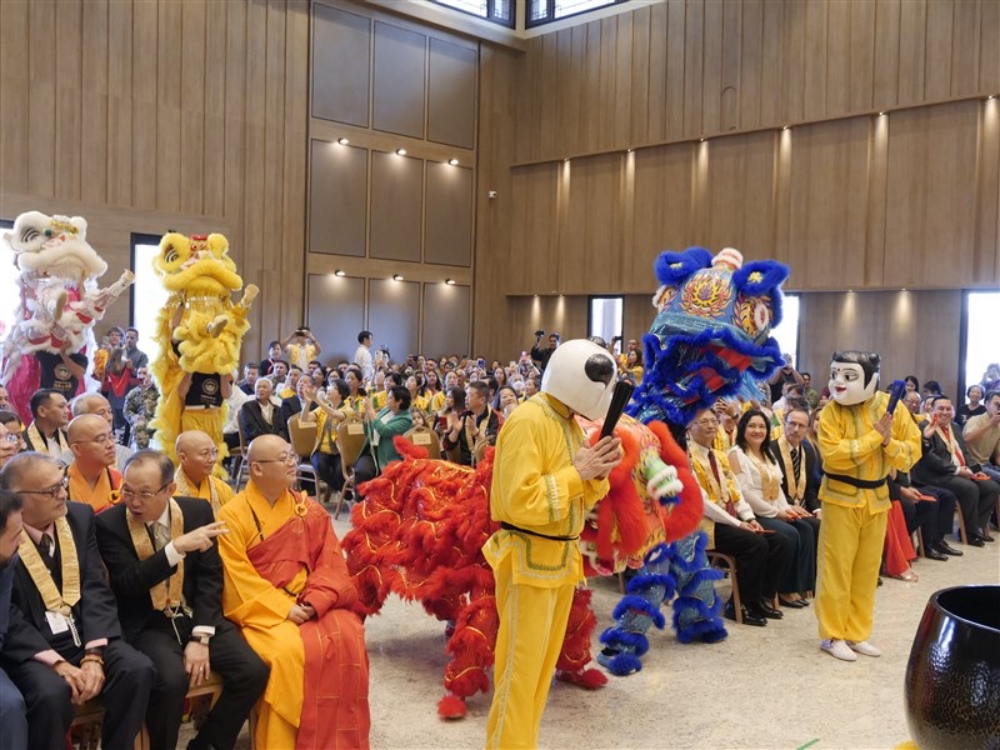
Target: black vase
column 953, row 676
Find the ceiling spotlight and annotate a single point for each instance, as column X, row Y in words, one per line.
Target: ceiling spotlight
column 991, row 97
column 401, row 151
column 881, row 114
column 397, row 277
column 702, row 140
column 340, row 272
column 450, row 282
column 453, row 162
column 566, row 160
column 343, row 141
column 786, row 127
column 628, row 151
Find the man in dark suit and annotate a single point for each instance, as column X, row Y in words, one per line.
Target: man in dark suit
column 13, row 716
column 292, row 405
column 797, row 459
column 946, row 463
column 262, row 416
column 166, row 573
column 64, row 645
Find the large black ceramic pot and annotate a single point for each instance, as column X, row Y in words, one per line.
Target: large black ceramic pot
column 953, row 676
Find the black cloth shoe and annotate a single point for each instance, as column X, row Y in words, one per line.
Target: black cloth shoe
column 986, row 538
column 767, row 611
column 792, row 603
column 975, row 541
column 748, row 617
column 933, row 554
column 946, row 549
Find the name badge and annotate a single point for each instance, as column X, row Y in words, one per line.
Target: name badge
column 57, row 622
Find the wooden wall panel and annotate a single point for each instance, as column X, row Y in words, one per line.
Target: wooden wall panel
column 341, row 65
column 448, row 215
column 930, row 223
column 451, row 97
column 447, row 320
column 336, row 314
column 399, row 80
column 139, row 123
column 394, row 315
column 590, row 247
column 534, row 260
column 338, row 199
column 396, row 206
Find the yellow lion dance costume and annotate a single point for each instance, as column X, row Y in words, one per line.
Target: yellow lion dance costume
column 199, row 330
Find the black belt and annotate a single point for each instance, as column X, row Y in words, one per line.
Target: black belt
column 861, row 484
column 511, row 527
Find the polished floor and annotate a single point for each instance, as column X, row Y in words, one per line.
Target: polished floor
column 761, row 688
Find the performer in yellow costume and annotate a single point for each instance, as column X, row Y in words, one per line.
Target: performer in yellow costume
column 544, row 482
column 859, row 441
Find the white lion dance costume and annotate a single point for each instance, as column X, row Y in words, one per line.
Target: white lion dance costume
column 58, row 307
column 200, row 332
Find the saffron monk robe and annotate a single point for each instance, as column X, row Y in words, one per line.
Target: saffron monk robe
column 197, row 454
column 288, row 589
column 64, row 644
column 92, row 478
column 167, row 577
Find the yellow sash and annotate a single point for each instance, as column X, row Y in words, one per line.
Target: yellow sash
column 718, row 492
column 796, row 491
column 184, row 487
column 56, row 601
column 166, row 600
column 770, row 485
column 40, row 444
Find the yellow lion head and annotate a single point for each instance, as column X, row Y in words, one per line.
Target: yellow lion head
column 197, row 265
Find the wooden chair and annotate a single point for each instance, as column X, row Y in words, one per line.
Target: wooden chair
column 243, row 472
column 350, row 441
column 200, row 700
column 961, row 524
column 304, row 441
column 425, row 437
column 728, row 564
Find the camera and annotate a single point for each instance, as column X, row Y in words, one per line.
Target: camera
column 539, row 333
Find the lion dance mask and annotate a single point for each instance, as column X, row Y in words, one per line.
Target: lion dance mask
column 59, row 304
column 200, row 331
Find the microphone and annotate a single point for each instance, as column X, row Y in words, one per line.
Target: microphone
column 622, row 395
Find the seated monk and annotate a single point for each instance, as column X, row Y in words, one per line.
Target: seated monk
column 287, row 588
column 92, row 477
column 197, row 454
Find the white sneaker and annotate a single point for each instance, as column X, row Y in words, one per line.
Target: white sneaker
column 838, row 649
column 864, row 648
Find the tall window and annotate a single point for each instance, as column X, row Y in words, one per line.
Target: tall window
column 147, row 293
column 607, row 317
column 787, row 332
column 982, row 311
column 547, row 11
column 8, row 283
column 497, row 11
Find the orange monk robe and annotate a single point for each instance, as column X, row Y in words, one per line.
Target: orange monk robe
column 317, row 695
column 102, row 495
column 212, row 489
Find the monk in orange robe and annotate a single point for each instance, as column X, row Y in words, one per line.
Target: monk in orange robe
column 92, row 477
column 287, row 588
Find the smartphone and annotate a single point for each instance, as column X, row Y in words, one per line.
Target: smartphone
column 512, row 364
column 481, row 364
column 443, row 423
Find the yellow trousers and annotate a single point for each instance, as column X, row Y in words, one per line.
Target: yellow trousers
column 850, row 553
column 532, row 628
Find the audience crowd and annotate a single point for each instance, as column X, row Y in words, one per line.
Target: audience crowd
column 160, row 620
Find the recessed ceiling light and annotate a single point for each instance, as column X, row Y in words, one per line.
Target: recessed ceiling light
column 565, row 160
column 340, row 272
column 401, row 151
column 397, row 277
column 702, row 140
column 786, row 127
column 343, row 141
column 453, row 162
column 881, row 114
column 450, row 282
column 991, row 96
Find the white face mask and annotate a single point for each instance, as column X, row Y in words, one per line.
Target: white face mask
column 847, row 384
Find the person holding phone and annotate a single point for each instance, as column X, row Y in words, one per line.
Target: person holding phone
column 542, row 356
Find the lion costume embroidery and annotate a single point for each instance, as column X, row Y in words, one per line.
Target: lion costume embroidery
column 59, row 304
column 200, row 331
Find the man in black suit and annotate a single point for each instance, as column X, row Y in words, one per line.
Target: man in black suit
column 64, row 644
column 293, row 404
column 946, row 463
column 797, row 459
column 261, row 416
column 167, row 576
column 13, row 718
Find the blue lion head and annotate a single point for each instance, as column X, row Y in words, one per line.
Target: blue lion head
column 711, row 336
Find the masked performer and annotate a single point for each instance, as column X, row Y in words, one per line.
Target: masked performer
column 859, row 441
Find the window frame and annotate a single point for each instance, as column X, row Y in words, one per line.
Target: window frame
column 550, row 14
column 490, row 16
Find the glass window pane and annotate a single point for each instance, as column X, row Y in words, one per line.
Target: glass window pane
column 983, row 312
column 571, row 7
column 148, row 297
column 606, row 317
column 476, row 7
column 787, row 332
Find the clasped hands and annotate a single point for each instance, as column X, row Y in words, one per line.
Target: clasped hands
column 85, row 682
column 301, row 613
column 598, row 460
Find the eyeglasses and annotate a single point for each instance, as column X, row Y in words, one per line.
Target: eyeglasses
column 102, row 439
column 11, row 437
column 54, row 491
column 129, row 494
column 284, row 458
column 209, row 453
column 708, row 422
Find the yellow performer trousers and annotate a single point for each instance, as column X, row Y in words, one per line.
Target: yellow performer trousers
column 850, row 553
column 532, row 628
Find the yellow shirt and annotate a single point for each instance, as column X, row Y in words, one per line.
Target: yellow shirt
column 327, row 441
column 437, row 402
column 850, row 446
column 379, row 399
column 537, row 488
column 421, row 402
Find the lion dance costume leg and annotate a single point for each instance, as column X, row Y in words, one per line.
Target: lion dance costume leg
column 200, row 331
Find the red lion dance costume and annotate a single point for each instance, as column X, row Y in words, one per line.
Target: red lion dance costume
column 420, row 531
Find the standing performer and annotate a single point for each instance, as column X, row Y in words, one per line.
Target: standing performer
column 545, row 480
column 859, row 441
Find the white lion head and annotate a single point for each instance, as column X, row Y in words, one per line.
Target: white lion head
column 54, row 247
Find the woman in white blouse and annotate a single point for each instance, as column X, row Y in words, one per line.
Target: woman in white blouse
column 759, row 479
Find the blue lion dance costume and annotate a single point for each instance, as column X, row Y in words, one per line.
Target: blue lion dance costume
column 710, row 340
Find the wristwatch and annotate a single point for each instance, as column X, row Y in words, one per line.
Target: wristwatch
column 204, row 639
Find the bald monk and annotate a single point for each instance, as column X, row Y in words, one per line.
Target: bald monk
column 286, row 586
column 92, row 477
column 197, row 454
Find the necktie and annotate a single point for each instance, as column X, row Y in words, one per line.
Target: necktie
column 730, row 508
column 796, row 462
column 161, row 536
column 48, row 546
